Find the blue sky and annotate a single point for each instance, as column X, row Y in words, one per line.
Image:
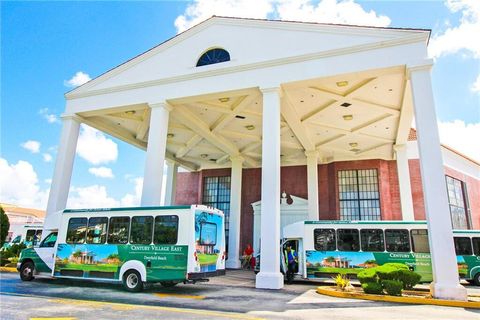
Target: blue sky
column 45, row 44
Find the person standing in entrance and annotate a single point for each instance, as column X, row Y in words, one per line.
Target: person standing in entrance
column 291, row 259
column 247, row 257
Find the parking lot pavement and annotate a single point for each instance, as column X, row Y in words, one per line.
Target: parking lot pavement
column 232, row 296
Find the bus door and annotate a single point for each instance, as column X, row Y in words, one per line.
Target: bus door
column 294, row 245
column 46, row 252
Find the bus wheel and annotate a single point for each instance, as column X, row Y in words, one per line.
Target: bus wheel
column 132, row 281
column 476, row 279
column 168, row 284
column 26, row 271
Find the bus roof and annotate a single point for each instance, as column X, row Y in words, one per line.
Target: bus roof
column 125, row 209
column 363, row 222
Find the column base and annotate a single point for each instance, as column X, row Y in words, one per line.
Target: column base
column 233, row 264
column 448, row 292
column 269, row 280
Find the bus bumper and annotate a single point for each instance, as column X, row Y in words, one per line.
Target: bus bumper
column 203, row 275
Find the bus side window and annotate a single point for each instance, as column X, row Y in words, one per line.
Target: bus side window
column 397, row 240
column 347, row 240
column 420, row 241
column 324, row 239
column 76, row 231
column 166, row 230
column 29, row 237
column 372, row 240
column 463, row 246
column 118, row 230
column 97, row 230
column 476, row 246
column 142, row 228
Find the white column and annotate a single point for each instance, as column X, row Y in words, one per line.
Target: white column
column 154, row 162
column 171, row 183
column 62, row 174
column 269, row 276
column 233, row 260
column 312, row 184
column 445, row 283
column 405, row 188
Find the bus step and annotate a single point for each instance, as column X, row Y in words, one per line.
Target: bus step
column 195, row 281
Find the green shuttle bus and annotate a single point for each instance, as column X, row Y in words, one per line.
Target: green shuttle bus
column 328, row 248
column 133, row 246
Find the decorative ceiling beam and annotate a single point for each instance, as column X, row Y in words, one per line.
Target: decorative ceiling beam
column 188, row 146
column 293, row 120
column 142, row 129
column 240, row 135
column 201, row 128
column 372, row 148
column 406, row 115
column 241, row 104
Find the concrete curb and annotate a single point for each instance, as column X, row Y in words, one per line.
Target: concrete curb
column 8, row 269
column 410, row 300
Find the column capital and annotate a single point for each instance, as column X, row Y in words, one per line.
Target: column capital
column 399, row 147
column 237, row 159
column 425, row 65
column 278, row 90
column 164, row 105
column 73, row 116
column 311, row 153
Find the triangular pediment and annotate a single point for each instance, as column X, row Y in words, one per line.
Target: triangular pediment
column 249, row 42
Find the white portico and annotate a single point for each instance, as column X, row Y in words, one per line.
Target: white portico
column 245, row 93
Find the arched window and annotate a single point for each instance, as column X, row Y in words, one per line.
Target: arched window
column 213, row 56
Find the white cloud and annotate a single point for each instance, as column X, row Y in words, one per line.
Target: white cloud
column 78, row 79
column 463, row 37
column 48, row 181
column 201, row 10
column 32, row 146
column 50, row 117
column 95, row 147
column 461, row 137
column 476, row 85
column 94, row 196
column 330, row 11
column 47, row 157
column 102, row 172
column 133, row 200
column 19, row 185
column 326, row 11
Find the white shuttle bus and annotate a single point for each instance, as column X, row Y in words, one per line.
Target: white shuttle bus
column 132, row 246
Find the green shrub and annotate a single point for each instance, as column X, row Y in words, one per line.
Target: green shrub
column 409, row 278
column 399, row 266
column 372, row 288
column 4, row 226
column 393, row 287
column 367, row 275
column 386, row 272
column 12, row 252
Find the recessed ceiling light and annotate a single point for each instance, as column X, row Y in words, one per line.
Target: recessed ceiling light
column 223, row 100
column 348, row 117
column 346, row 104
column 355, row 150
column 130, row 112
column 342, row 83
column 353, row 144
column 250, row 127
column 170, row 135
column 204, row 155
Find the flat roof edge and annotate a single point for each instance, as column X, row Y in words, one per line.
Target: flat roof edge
column 126, row 209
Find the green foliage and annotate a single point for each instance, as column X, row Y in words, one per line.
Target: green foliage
column 4, row 226
column 389, row 275
column 12, row 252
column 367, row 275
column 341, row 281
column 372, row 288
column 408, row 278
column 393, row 287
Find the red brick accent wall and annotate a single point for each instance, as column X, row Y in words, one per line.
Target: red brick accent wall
column 417, row 189
column 187, row 188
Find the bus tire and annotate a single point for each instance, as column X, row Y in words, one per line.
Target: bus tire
column 476, row 279
column 27, row 270
column 132, row 281
column 168, row 284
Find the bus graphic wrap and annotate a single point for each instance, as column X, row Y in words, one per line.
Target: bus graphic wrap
column 208, row 236
column 166, row 262
column 323, row 263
